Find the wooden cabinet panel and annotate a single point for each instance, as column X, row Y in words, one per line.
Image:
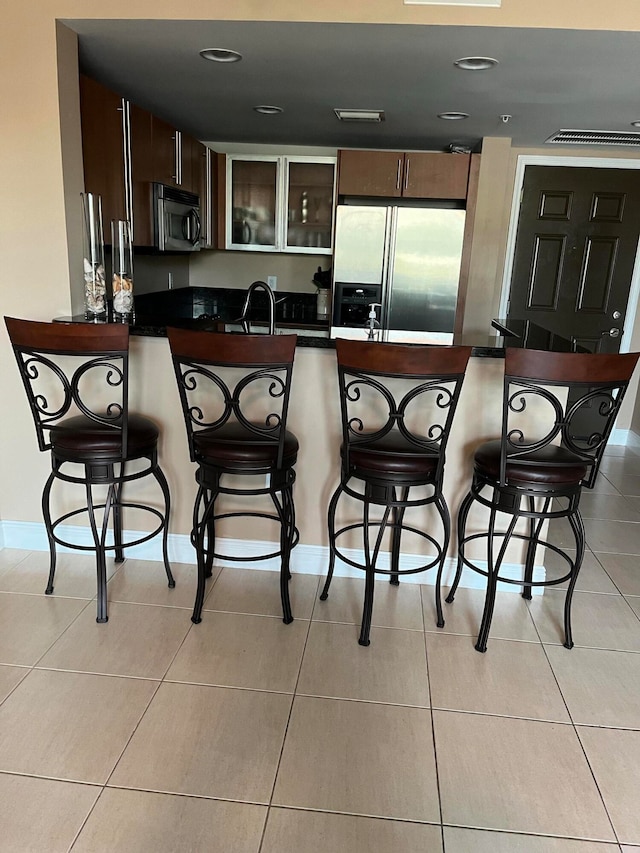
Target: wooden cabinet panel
column 193, row 164
column 164, row 151
column 141, row 175
column 435, row 175
column 414, row 174
column 372, row 173
column 103, row 149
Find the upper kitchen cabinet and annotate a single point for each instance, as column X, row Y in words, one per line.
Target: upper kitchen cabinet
column 207, row 169
column 279, row 204
column 116, row 149
column 178, row 159
column 413, row 174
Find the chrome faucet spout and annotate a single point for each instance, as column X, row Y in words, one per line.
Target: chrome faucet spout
column 244, row 319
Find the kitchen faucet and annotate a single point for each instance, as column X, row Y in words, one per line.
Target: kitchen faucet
column 259, row 285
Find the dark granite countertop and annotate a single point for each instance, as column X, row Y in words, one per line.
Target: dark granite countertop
column 209, row 309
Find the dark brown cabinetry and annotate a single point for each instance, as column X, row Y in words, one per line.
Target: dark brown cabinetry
column 177, row 157
column 125, row 149
column 413, row 174
column 116, row 150
column 103, row 148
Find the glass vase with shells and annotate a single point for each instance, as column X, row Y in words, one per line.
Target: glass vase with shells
column 95, row 285
column 122, row 269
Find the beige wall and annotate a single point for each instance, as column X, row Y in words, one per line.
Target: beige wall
column 39, row 150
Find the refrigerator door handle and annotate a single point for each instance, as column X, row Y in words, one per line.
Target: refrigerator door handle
column 399, row 173
column 387, row 278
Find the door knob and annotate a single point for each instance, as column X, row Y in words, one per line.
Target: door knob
column 613, row 333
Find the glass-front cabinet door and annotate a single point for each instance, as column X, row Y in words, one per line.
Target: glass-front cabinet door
column 280, row 204
column 252, row 203
column 309, row 186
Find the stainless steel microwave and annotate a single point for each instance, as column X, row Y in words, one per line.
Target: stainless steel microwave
column 176, row 221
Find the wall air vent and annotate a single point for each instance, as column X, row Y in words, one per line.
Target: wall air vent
column 594, row 137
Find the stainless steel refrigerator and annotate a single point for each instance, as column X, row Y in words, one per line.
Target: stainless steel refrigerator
column 405, row 260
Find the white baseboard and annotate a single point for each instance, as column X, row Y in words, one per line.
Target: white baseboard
column 632, row 438
column 624, row 436
column 305, row 559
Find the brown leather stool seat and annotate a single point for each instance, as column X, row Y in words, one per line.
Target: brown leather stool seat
column 81, row 439
column 558, row 409
column 233, row 445
column 392, row 396
column 394, row 458
column 549, row 466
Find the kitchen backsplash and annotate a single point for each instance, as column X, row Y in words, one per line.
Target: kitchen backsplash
column 239, row 269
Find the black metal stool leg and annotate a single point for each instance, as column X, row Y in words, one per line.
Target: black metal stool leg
column 443, row 509
column 492, row 583
column 369, row 582
column 534, row 535
column 283, row 511
column 198, row 537
column 158, row 473
column 463, row 512
column 331, row 522
column 292, row 522
column 396, row 533
column 493, row 569
column 577, row 525
column 46, row 512
column 117, row 515
column 210, row 497
column 370, row 569
column 99, row 544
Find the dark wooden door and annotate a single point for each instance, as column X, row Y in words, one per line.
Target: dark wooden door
column 575, row 252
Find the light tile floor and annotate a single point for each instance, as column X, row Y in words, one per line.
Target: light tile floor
column 245, row 735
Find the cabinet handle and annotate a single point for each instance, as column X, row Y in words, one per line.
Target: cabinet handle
column 177, row 148
column 406, row 173
column 399, row 173
column 127, row 162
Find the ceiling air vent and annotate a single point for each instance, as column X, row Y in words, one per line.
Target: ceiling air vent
column 595, row 137
column 359, row 115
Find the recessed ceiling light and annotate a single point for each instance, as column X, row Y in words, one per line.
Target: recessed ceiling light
column 452, row 116
column 359, row 115
column 476, row 63
column 635, row 123
column 268, row 110
column 220, row 54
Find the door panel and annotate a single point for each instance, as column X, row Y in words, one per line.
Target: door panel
column 360, row 244
column 575, row 252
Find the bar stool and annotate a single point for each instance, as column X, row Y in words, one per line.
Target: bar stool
column 407, row 396
column 234, row 391
column 76, row 379
column 558, row 412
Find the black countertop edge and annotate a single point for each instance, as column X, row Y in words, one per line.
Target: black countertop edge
column 156, row 327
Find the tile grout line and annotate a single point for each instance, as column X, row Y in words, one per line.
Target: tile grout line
column 433, row 728
column 286, row 729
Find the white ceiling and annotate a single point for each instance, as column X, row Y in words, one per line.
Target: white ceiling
column 546, row 80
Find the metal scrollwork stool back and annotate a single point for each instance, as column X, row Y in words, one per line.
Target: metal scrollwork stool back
column 397, row 403
column 234, row 391
column 558, row 412
column 76, row 379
